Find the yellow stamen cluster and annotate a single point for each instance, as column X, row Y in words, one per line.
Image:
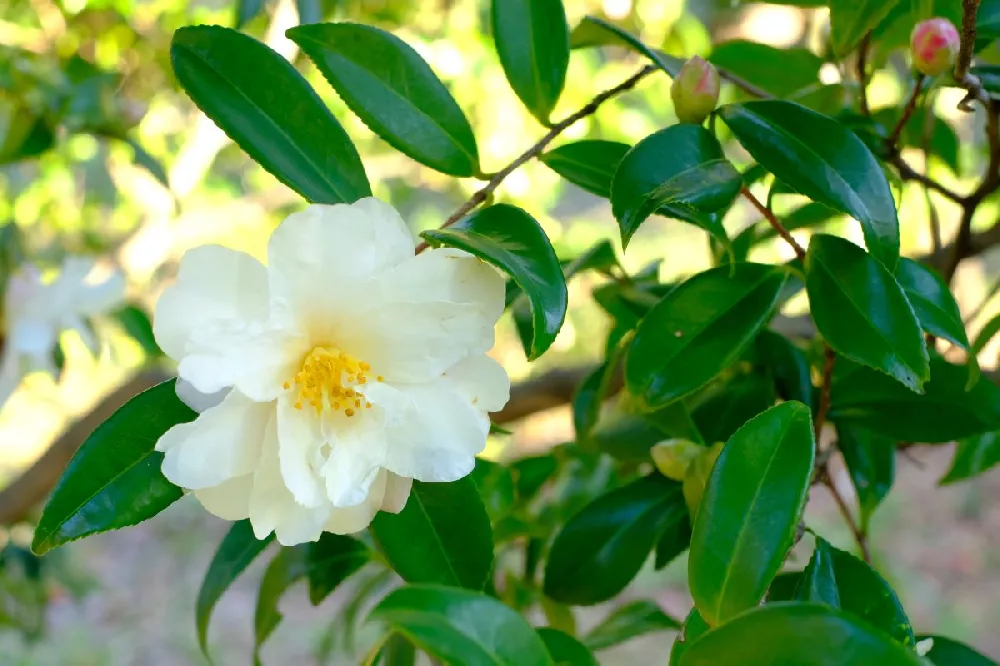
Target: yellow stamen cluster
column 327, row 378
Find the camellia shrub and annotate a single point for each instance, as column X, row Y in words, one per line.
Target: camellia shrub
column 335, row 400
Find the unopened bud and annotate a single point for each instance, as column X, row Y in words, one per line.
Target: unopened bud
column 695, row 90
column 697, row 476
column 934, row 46
column 673, row 456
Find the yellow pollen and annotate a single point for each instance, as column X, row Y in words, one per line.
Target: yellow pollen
column 327, row 379
column 380, row 378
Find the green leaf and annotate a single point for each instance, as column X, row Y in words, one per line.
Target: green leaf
column 631, row 620
column 288, row 567
column 601, row 548
column 779, row 72
column 973, row 456
column 945, row 412
column 261, row 101
column 823, row 160
column 677, row 172
column 594, row 26
column 862, row 311
column 395, row 650
column 932, row 302
column 310, row 11
column 587, row 401
column 442, row 535
column 698, row 330
column 331, row 561
column 495, row 484
column 871, row 463
column 735, row 402
column 114, row 479
column 247, row 10
column 797, row 633
column 675, row 540
column 749, row 511
column 138, row 325
column 986, row 333
column 462, row 627
column 531, row 473
column 511, row 240
column 532, row 40
column 850, row 20
column 238, row 549
column 859, row 589
column 142, row 158
column 788, row 365
column 587, row 164
column 566, row 650
column 397, row 95
column 948, row 652
column 694, row 628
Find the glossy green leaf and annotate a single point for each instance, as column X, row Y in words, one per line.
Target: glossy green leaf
column 442, row 535
column 698, row 330
column 261, row 101
column 628, row 621
column 595, row 27
column 932, row 302
column 513, row 241
column 531, row 473
column 948, row 652
column 986, row 333
column 677, row 172
column 495, row 484
column 945, row 412
column 779, row 72
column 850, row 20
column 289, row 566
column 238, row 549
column 797, row 633
column 588, row 164
column 735, row 402
column 462, row 627
column 823, row 160
column 332, row 560
column 862, row 311
column 397, row 650
column 694, row 628
column 859, row 590
column 749, row 512
column 818, row 582
column 674, row 541
column 247, row 10
column 397, row 95
column 788, row 365
column 566, row 650
column 973, row 456
column 138, row 325
column 601, row 548
column 532, row 40
column 114, row 479
column 871, row 463
column 587, row 401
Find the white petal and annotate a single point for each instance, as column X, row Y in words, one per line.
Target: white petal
column 224, row 442
column 317, row 255
column 194, row 398
column 482, row 381
column 437, row 435
column 213, row 283
column 358, row 449
column 300, row 442
column 272, row 507
column 348, row 520
column 397, row 491
column 230, row 500
column 425, row 315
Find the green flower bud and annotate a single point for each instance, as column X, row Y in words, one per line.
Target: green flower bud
column 695, row 91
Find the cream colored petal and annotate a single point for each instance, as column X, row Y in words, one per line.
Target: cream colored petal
column 195, row 399
column 397, row 491
column 230, row 500
column 300, row 447
column 224, row 442
column 348, row 520
column 482, row 381
column 357, row 450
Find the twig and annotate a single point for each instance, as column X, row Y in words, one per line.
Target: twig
column 925, row 144
column 778, row 227
column 970, row 11
column 908, row 110
column 906, row 172
column 481, row 195
column 856, row 531
column 862, row 71
column 829, row 358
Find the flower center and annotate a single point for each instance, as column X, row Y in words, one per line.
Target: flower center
column 327, row 379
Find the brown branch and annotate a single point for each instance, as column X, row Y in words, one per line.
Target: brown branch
column 911, row 106
column 970, row 11
column 829, row 358
column 862, row 71
column 906, row 172
column 589, row 109
column 775, row 223
column 859, row 535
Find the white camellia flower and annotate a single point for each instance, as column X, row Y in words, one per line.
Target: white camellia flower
column 355, row 366
column 36, row 312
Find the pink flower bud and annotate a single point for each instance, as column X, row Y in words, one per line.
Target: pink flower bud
column 934, row 46
column 695, row 90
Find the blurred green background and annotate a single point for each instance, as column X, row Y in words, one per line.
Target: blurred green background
column 100, row 153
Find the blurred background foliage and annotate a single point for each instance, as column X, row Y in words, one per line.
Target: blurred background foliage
column 101, row 154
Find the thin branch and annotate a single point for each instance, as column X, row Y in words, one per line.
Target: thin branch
column 829, row 358
column 907, row 172
column 911, row 106
column 862, row 71
column 589, row 109
column 970, row 11
column 775, row 223
column 859, row 535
